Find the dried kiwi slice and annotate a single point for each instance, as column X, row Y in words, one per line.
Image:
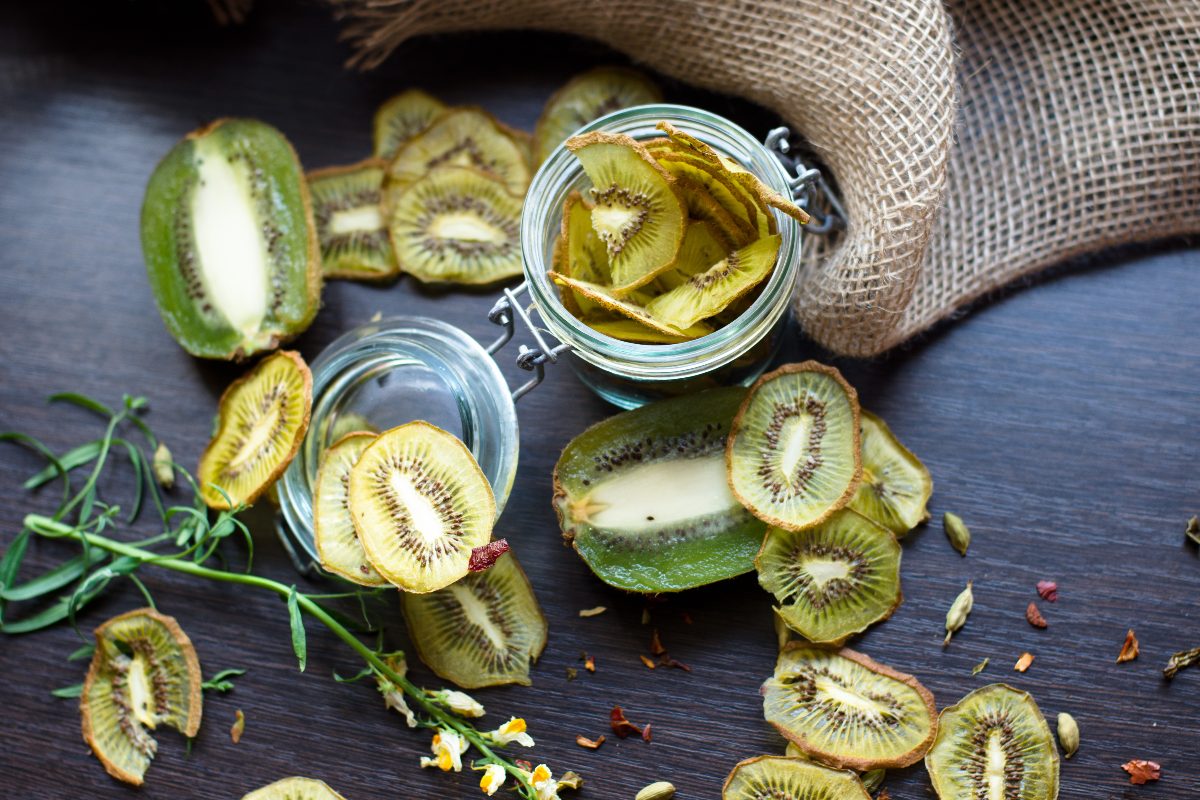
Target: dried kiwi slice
column 144, row 673
column 588, row 97
column 603, row 296
column 708, row 293
column 832, row 580
column 229, row 240
column 628, row 330
column 637, row 212
column 895, row 484
column 994, row 743
column 843, row 709
column 457, row 225
column 483, row 630
column 464, row 137
column 703, row 246
column 350, row 224
column 582, row 253
column 333, row 528
column 782, row 778
column 294, row 789
column 642, row 496
column 261, row 421
column 793, row 455
column 420, row 505
column 401, row 118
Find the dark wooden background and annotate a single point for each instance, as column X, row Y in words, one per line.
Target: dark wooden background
column 1060, row 421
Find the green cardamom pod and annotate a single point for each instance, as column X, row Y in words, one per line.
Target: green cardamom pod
column 874, row 779
column 657, row 791
column 956, row 617
column 957, row 532
column 1068, row 734
column 163, row 466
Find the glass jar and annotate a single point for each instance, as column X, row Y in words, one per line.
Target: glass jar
column 627, row 374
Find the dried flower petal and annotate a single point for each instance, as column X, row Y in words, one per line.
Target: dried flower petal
column 1129, row 650
column 570, row 780
column 980, row 667
column 239, row 725
column 1140, row 771
column 1181, row 660
column 1023, row 662
column 649, row 664
column 590, row 744
column 589, row 663
column 1048, row 590
column 646, row 733
column 592, row 612
column 621, row 726
column 1034, row 616
column 484, row 556
column 656, row 645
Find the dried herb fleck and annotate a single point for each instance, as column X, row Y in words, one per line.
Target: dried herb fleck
column 1048, row 590
column 1181, row 660
column 1129, row 650
column 1023, row 662
column 572, row 673
column 1035, row 616
column 239, row 725
column 1142, row 771
column 592, row 612
column 1193, row 530
column 590, row 744
column 621, row 726
column 980, row 667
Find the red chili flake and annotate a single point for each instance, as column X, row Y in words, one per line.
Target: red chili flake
column 646, row 733
column 1141, row 771
column 621, row 726
column 1048, row 590
column 523, row 764
column 649, row 664
column 1129, row 650
column 656, row 645
column 1034, row 616
column 484, row 556
column 590, row 744
column 1023, row 662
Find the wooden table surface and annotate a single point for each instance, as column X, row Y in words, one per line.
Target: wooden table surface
column 1060, row 421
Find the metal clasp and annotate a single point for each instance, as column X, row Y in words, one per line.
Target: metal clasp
column 808, row 186
column 505, row 312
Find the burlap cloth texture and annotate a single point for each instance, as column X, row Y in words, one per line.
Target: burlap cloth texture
column 973, row 143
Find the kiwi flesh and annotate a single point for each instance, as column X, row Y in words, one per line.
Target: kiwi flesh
column 628, row 330
column 783, row 778
column 604, row 297
column 895, row 486
column 144, row 673
column 582, row 254
column 587, row 97
column 793, row 454
column 637, row 211
column 643, row 499
column 708, row 293
column 871, row 779
column 294, row 789
column 420, row 505
column 703, row 245
column 994, row 743
column 350, row 222
column 843, row 709
column 483, row 630
column 832, row 580
column 261, row 421
column 337, row 541
column 401, row 118
column 463, row 137
column 229, row 240
column 457, row 225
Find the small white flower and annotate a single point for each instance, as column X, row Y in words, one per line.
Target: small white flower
column 393, row 696
column 447, row 747
column 544, row 783
column 493, row 778
column 512, row 731
column 460, row 703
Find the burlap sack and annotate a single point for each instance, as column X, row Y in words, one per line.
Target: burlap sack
column 1077, row 126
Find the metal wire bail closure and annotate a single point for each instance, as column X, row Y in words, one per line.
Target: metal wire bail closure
column 809, row 188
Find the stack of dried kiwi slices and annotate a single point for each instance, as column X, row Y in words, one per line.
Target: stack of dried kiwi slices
column 673, row 240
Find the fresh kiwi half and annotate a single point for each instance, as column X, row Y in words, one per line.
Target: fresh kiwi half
column 832, row 580
column 843, row 709
column 337, row 541
column 895, row 486
column 351, row 228
column 637, row 211
column 229, row 240
column 420, row 505
column 994, row 743
column 401, row 118
column 463, row 137
column 294, row 789
column 643, row 499
column 708, row 293
column 144, row 673
column 603, row 297
column 587, row 97
column 482, row 630
column 457, row 225
column 261, row 421
column 793, row 454
column 783, row 778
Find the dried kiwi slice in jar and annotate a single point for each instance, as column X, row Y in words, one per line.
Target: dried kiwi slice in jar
column 783, row 778
column 588, row 97
column 847, row 711
column 832, row 580
column 708, row 293
column 604, row 297
column 582, row 254
column 420, row 505
column 703, row 246
column 337, row 541
column 463, row 137
column 895, row 484
column 793, row 455
column 229, row 241
column 350, row 223
column 482, row 630
column 628, row 330
column 294, row 789
column 401, row 118
column 637, row 211
column 994, row 743
column 457, row 225
column 642, row 496
column 261, row 421
column 144, row 673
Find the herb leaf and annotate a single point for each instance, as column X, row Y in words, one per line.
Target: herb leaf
column 52, row 579
column 297, row 621
column 75, row 690
column 220, row 682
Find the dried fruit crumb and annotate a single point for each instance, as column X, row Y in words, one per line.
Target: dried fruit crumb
column 590, row 744
column 649, row 664
column 572, row 673
column 592, row 612
column 239, row 725
column 621, row 726
column 1048, row 590
column 1141, row 771
column 1034, row 616
column 646, row 733
column 1129, row 650
column 1023, row 662
column 484, row 557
